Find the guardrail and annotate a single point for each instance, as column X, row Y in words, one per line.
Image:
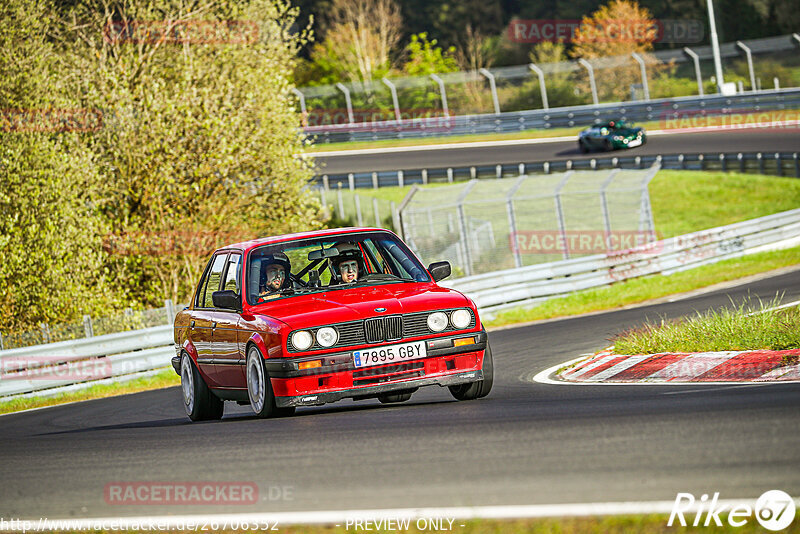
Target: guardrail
column 664, row 109
column 87, row 360
column 52, row 365
column 773, row 163
column 511, row 288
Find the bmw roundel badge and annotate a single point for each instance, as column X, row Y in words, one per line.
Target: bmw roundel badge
column 379, row 310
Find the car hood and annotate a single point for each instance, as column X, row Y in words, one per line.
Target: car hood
column 342, row 305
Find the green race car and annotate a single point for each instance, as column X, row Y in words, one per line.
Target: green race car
column 611, row 136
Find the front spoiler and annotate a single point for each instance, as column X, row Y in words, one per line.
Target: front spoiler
column 318, row 399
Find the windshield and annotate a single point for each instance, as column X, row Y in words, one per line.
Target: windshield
column 335, row 262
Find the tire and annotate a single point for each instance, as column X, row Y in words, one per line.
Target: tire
column 398, row 396
column 259, row 388
column 476, row 390
column 198, row 400
column 583, row 148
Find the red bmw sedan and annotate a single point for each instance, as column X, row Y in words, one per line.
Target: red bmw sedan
column 312, row 318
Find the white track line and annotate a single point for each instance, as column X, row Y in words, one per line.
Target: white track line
column 535, row 141
column 342, row 517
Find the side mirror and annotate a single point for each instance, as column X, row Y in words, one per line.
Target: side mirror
column 227, row 299
column 439, row 270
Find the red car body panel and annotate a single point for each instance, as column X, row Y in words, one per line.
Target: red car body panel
column 218, row 340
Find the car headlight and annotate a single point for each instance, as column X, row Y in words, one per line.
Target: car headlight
column 302, row 339
column 327, row 336
column 460, row 318
column 437, row 321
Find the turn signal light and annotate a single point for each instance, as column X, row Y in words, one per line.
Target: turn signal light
column 464, row 341
column 309, row 365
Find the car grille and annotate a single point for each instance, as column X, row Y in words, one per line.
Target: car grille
column 387, row 373
column 382, row 329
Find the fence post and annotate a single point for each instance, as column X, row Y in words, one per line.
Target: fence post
column 443, row 93
column 499, row 171
column 796, row 164
column 493, row 87
column 760, row 160
column 302, row 98
column 400, row 180
column 521, row 168
column 351, row 182
column 512, row 221
column 723, row 163
column 740, row 157
column 395, row 102
column 341, row 201
column 349, row 104
column 450, row 175
column 425, row 176
column 590, row 70
column 87, row 326
column 326, row 182
column 396, row 219
column 377, row 212
column 562, row 227
column 702, row 159
column 45, row 328
column 696, row 60
column 1, row 341
column 358, row 210
column 779, row 163
column 749, row 64
column 473, row 173
column 604, row 206
column 542, row 88
column 462, row 225
column 169, row 307
column 546, row 167
column 640, row 61
column 374, row 180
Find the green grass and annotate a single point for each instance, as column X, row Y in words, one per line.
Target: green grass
column 477, row 138
column 752, row 325
column 649, row 287
column 688, row 201
column 163, row 379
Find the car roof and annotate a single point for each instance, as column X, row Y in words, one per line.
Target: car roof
column 247, row 245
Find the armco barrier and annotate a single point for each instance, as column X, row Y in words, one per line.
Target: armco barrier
column 127, row 353
column 773, row 163
column 526, row 285
column 665, row 109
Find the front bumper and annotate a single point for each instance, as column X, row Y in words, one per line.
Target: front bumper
column 446, row 364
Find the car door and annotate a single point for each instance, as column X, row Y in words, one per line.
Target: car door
column 204, row 319
column 228, row 356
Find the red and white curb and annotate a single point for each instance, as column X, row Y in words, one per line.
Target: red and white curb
column 756, row 366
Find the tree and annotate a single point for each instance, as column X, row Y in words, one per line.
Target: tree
column 360, row 36
column 616, row 30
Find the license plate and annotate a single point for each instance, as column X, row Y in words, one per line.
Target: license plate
column 635, row 142
column 389, row 354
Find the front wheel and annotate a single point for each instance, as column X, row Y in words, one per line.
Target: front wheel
column 198, row 400
column 259, row 388
column 479, row 389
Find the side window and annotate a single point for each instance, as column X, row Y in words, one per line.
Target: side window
column 201, row 287
column 233, row 275
column 214, row 276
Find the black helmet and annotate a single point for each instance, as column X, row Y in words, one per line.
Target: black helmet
column 348, row 254
column 276, row 258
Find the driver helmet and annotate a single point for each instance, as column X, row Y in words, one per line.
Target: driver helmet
column 276, row 258
column 348, row 252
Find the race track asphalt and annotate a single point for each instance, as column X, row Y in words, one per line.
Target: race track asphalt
column 526, row 443
column 750, row 140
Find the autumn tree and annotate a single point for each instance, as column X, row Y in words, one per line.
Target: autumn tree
column 609, row 36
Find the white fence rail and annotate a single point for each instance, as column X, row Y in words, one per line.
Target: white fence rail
column 87, row 360
column 526, row 285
